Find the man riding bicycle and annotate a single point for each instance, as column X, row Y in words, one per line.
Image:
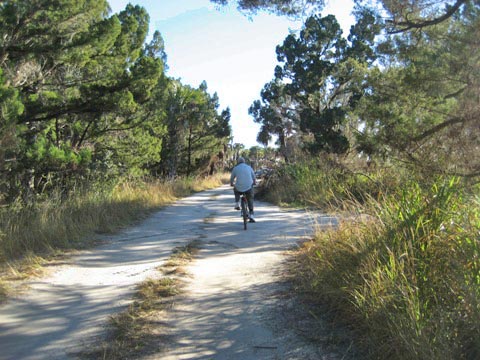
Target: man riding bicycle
column 242, row 179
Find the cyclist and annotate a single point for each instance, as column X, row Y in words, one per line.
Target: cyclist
column 242, row 179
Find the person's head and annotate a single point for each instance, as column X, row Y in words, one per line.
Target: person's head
column 240, row 160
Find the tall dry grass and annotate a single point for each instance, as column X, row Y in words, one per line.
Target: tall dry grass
column 43, row 228
column 326, row 185
column 405, row 275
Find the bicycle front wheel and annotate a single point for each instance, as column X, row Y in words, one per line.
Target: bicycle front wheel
column 244, row 213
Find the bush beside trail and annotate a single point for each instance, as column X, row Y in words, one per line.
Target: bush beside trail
column 318, row 185
column 402, row 270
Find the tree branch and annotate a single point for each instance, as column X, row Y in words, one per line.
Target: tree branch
column 408, row 25
column 438, row 127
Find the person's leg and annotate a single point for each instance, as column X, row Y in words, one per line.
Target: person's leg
column 250, row 200
column 250, row 204
column 237, row 199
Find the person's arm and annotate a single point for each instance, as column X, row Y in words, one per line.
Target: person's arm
column 232, row 177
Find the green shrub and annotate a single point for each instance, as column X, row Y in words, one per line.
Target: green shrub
column 320, row 183
column 407, row 276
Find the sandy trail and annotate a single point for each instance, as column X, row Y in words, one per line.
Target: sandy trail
column 231, row 299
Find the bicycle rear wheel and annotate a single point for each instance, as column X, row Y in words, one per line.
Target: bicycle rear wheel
column 244, row 212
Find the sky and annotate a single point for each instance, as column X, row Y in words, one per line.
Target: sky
column 233, row 53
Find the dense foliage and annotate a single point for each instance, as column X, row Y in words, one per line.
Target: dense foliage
column 83, row 98
column 403, row 84
column 318, row 84
column 400, row 273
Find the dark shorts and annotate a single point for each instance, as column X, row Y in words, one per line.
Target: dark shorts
column 249, row 195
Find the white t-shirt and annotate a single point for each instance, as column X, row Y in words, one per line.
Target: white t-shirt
column 244, row 175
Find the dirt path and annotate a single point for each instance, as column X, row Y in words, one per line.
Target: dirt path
column 231, row 303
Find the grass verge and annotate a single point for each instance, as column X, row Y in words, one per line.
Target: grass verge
column 139, row 327
column 324, row 185
column 405, row 275
column 32, row 235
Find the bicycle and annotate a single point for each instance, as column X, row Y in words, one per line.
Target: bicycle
column 244, row 209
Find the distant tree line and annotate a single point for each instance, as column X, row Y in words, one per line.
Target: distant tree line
column 84, row 98
column 402, row 84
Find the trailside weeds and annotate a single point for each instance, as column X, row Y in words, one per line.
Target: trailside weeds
column 139, row 327
column 405, row 278
column 33, row 235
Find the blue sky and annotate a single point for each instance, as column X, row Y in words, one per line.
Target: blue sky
column 235, row 55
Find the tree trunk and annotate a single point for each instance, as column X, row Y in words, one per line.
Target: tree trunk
column 189, row 151
column 283, row 146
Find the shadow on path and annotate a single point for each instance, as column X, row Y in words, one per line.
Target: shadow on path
column 72, row 305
